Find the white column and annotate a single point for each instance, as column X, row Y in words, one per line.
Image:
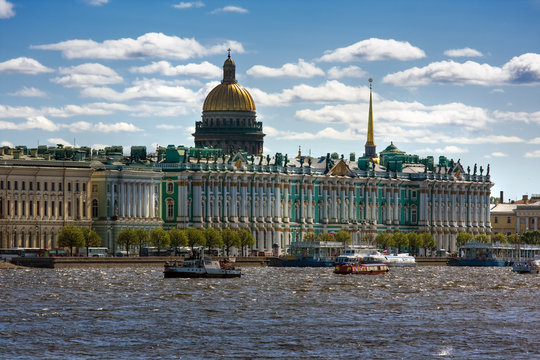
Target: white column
column 310, row 203
column 277, row 202
column 286, row 202
column 396, row 206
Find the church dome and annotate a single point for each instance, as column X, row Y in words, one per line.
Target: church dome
column 229, row 95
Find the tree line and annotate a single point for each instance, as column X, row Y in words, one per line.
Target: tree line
column 531, row 237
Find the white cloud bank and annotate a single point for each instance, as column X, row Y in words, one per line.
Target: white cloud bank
column 29, row 92
column 465, row 52
column 301, row 69
column 24, row 65
column 6, row 9
column 96, row 2
column 203, row 70
column 374, row 49
column 230, row 9
column 150, row 45
column 188, row 5
column 523, row 69
column 87, row 75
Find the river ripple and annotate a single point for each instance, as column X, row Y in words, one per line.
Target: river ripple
column 270, row 313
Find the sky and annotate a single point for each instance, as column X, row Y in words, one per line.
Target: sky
column 453, row 78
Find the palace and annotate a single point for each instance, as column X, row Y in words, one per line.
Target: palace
column 226, row 182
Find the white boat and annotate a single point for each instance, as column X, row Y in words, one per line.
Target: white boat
column 200, row 266
column 527, row 266
column 359, row 255
column 403, row 259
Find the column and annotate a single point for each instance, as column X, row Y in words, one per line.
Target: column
column 374, row 191
column 396, row 206
column 286, row 202
column 122, row 199
column 325, row 204
column 518, row 224
column 277, row 202
column 343, row 214
column 310, row 203
column 388, row 191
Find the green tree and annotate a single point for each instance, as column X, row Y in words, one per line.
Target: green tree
column 400, row 240
column 326, row 237
column 309, row 237
column 428, row 242
column 482, row 238
column 195, row 238
column 246, row 239
column 531, row 237
column 499, row 238
column 230, row 239
column 127, row 238
column 142, row 238
column 514, row 239
column 463, row 238
column 213, row 238
column 415, row 242
column 160, row 239
column 343, row 237
column 383, row 240
column 91, row 238
column 178, row 238
column 70, row 236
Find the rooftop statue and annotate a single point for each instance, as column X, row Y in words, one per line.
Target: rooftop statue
column 481, row 170
column 487, row 172
column 474, row 173
column 468, row 170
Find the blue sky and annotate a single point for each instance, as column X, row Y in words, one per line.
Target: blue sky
column 454, row 78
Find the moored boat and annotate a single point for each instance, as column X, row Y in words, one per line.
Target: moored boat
column 361, row 268
column 527, row 267
column 312, row 254
column 200, row 267
column 481, row 254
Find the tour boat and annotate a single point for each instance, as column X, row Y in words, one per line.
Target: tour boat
column 312, row 254
column 360, row 268
column 527, row 267
column 200, row 267
column 481, row 254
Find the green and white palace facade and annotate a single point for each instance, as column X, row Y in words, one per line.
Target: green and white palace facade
column 226, row 182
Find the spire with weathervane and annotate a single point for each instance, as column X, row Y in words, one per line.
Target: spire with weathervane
column 229, row 70
column 370, row 147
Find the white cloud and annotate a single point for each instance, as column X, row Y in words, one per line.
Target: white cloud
column 327, row 133
column 450, row 149
column 32, row 123
column 115, row 128
column 203, row 70
column 234, row 9
column 6, row 9
column 518, row 116
column 353, row 71
column 301, row 69
column 495, row 91
column 147, row 90
column 374, row 49
column 55, row 141
column 7, row 143
column 465, row 52
column 87, row 75
column 498, row 154
column 96, row 2
column 99, row 146
column 168, row 127
column 535, row 141
column 29, row 92
column 524, row 69
column 330, row 91
column 24, row 65
column 533, row 154
column 187, row 5
column 62, row 112
column 150, row 45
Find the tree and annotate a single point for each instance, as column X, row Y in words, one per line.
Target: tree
column 142, row 238
column 514, row 239
column 70, row 236
column 463, row 238
column 383, row 240
column 343, row 237
column 400, row 240
column 309, row 237
column 160, row 239
column 213, row 238
column 127, row 238
column 499, row 238
column 428, row 242
column 415, row 242
column 246, row 239
column 531, row 237
column 230, row 239
column 195, row 237
column 482, row 238
column 326, row 237
column 178, row 238
column 91, row 238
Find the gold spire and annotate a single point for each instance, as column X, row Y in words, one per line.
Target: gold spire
column 370, row 136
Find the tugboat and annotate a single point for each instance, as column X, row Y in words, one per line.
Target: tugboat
column 200, row 266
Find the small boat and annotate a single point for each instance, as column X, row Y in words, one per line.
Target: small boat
column 201, row 267
column 527, row 267
column 361, row 268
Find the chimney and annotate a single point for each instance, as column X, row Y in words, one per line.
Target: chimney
column 502, row 197
column 525, row 199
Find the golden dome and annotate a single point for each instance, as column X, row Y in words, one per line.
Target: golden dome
column 229, row 95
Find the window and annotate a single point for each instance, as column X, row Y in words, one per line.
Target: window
column 84, row 209
column 77, row 187
column 413, row 216
column 16, row 208
column 8, row 208
column 170, row 209
column 508, row 220
column 45, row 208
column 24, row 185
column 9, row 185
column 24, row 208
column 45, row 186
column 16, row 185
column 170, row 188
column 2, row 185
column 52, row 187
column 69, row 208
column 37, row 208
column 94, row 188
column 60, row 208
column 59, row 186
column 94, row 208
column 31, row 184
column 496, row 220
column 414, row 194
column 69, row 186
column 52, row 208
column 84, row 187
column 38, row 184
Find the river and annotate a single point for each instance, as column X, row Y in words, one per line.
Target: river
column 269, row 313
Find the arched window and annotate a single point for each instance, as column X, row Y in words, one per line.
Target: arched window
column 170, row 209
column 170, row 187
column 94, row 208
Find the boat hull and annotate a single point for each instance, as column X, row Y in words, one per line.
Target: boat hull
column 479, row 262
column 361, row 269
column 172, row 272
column 525, row 268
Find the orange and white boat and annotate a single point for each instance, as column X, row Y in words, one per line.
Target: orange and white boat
column 359, row 268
